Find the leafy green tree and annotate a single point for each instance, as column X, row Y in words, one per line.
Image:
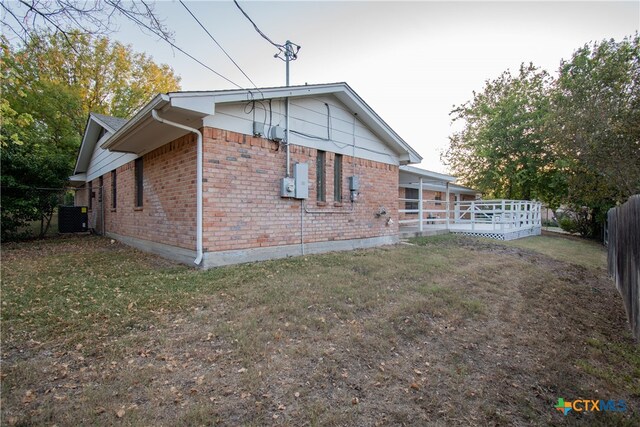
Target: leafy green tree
column 48, row 89
column 108, row 77
column 596, row 127
column 503, row 148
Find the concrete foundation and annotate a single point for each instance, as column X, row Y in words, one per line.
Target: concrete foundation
column 217, row 259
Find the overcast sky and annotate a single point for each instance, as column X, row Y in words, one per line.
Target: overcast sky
column 410, row 61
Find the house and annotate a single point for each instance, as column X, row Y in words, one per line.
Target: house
column 221, row 177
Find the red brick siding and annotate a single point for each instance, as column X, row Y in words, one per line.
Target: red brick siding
column 168, row 214
column 241, row 196
column 242, row 203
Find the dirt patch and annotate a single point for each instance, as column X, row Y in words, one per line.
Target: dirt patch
column 457, row 331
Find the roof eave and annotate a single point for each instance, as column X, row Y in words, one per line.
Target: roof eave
column 156, row 103
column 428, row 174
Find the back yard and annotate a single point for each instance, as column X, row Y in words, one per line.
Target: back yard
column 445, row 331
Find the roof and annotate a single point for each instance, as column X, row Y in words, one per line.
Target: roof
column 95, row 123
column 142, row 133
column 109, row 122
column 427, row 175
column 410, row 178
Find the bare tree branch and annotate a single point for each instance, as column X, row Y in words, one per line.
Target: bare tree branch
column 90, row 17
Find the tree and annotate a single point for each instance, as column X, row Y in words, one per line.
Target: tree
column 48, row 89
column 108, row 77
column 503, row 149
column 596, row 126
column 26, row 18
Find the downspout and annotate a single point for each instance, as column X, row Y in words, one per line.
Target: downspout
column 199, row 253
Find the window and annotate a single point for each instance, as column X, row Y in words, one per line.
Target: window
column 320, row 176
column 114, row 191
column 337, row 178
column 90, row 193
column 438, row 198
column 139, row 193
column 411, row 193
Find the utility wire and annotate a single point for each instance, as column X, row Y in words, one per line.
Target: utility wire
column 163, row 37
column 264, row 36
column 218, row 44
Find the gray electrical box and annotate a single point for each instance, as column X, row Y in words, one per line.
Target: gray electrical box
column 354, row 183
column 287, row 187
column 301, row 178
column 258, row 129
column 276, row 134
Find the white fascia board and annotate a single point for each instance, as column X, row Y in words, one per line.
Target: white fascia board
column 423, row 173
column 86, row 147
column 441, row 187
column 79, row 177
column 248, row 95
column 82, row 146
column 158, row 102
column 200, row 104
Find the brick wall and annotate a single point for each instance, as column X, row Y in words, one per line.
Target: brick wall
column 242, row 203
column 241, row 196
column 169, row 203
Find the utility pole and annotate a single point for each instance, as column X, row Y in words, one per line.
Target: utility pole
column 289, row 55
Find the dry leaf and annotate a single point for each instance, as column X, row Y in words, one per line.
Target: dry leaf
column 120, row 413
column 415, row 386
column 100, row 410
column 417, row 372
column 281, row 407
column 28, row 397
column 241, row 370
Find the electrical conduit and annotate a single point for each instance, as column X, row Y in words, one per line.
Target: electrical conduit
column 199, row 253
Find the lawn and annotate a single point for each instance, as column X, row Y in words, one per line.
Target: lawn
column 446, row 330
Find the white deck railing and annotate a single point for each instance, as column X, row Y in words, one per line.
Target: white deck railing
column 496, row 215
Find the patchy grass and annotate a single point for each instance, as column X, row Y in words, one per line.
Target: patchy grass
column 566, row 248
column 449, row 330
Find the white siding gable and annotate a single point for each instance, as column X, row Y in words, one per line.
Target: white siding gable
column 311, row 126
column 104, row 161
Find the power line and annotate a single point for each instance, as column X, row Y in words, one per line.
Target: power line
column 286, row 52
column 218, row 44
column 264, row 36
column 163, row 37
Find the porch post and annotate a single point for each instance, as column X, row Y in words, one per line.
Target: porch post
column 473, row 215
column 447, row 206
column 420, row 206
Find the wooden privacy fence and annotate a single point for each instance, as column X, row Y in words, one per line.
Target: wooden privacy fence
column 624, row 256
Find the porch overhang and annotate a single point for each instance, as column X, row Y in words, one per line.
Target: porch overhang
column 410, row 175
column 143, row 134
